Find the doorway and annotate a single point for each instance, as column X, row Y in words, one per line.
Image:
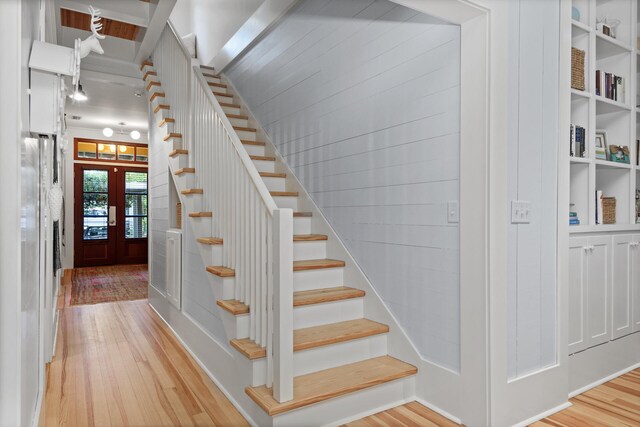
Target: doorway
column 110, row 215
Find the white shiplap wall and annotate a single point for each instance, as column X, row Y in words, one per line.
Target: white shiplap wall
column 361, row 97
column 533, row 136
column 197, row 296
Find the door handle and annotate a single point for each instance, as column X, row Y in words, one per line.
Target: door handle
column 112, row 216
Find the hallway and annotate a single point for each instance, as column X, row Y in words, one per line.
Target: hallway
column 118, row 364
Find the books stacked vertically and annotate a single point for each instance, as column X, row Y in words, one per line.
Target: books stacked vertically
column 610, row 86
column 599, row 207
column 577, row 141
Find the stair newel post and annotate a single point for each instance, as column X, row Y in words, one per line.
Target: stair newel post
column 283, row 304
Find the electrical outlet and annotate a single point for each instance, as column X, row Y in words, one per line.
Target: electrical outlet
column 520, row 212
column 453, row 213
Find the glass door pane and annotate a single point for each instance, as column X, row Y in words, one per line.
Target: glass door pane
column 95, row 185
column 136, row 204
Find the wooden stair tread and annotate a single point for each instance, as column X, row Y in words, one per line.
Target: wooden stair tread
column 166, row 120
column 247, row 142
column 329, row 383
column 302, row 214
column 284, row 193
column 178, row 151
column 244, row 129
column 315, row 264
column 200, row 214
column 214, row 84
column 319, row 296
column 221, row 271
column 161, row 107
column 157, row 94
column 226, row 104
column 237, row 116
column 309, row 237
column 226, row 95
column 172, row 135
column 210, row 240
column 185, row 170
column 265, row 158
column 149, row 73
column 317, row 336
column 272, row 175
column 233, row 306
column 192, row 191
column 152, row 84
column 145, row 63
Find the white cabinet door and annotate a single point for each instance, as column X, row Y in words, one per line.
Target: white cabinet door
column 578, row 251
column 598, row 285
column 635, row 281
column 621, row 315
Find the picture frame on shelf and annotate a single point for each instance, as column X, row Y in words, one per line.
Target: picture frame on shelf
column 619, row 153
column 601, row 144
column 637, row 152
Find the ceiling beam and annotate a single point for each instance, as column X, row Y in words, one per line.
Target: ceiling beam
column 154, row 29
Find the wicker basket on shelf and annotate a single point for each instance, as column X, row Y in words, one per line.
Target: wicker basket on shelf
column 608, row 210
column 577, row 69
column 178, row 215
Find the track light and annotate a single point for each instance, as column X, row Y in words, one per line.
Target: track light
column 79, row 94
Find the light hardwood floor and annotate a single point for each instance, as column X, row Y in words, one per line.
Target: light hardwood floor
column 118, row 364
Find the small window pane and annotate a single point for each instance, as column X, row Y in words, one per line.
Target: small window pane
column 107, row 151
column 95, row 204
column 96, row 181
column 86, row 150
column 136, row 227
column 142, row 154
column 126, row 153
column 135, row 182
column 136, row 204
column 95, row 229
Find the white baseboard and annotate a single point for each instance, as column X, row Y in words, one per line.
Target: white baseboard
column 442, row 412
column 202, row 366
column 603, row 380
column 543, row 415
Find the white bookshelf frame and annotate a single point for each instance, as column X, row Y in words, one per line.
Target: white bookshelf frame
column 621, row 56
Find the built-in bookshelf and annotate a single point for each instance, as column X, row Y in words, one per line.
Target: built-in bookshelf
column 608, row 104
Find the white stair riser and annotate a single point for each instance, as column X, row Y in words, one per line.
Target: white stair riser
column 237, row 327
column 246, row 136
column 162, row 114
column 223, row 287
column 180, row 161
column 211, row 79
column 286, row 202
column 301, row 225
column 317, row 279
column 218, row 88
column 254, row 150
column 158, row 100
column 185, row 180
column 153, row 89
column 323, row 357
column 231, row 110
column 193, row 202
column 174, row 143
column 223, row 98
column 167, row 127
column 201, row 226
column 307, row 316
column 334, row 355
column 275, row 184
column 147, row 68
column 309, row 250
column 264, row 165
column 239, row 122
column 362, row 403
column 212, row 255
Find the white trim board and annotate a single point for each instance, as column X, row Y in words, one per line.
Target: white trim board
column 544, row 414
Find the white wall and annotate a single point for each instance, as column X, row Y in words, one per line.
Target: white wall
column 213, row 22
column 67, row 252
column 533, row 129
column 362, row 100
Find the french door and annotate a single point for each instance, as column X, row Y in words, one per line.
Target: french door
column 110, row 215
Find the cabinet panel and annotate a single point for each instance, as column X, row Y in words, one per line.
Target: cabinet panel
column 598, row 278
column 621, row 321
column 577, row 294
column 635, row 281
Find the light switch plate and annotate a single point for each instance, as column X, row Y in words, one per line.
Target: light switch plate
column 453, row 213
column 520, row 212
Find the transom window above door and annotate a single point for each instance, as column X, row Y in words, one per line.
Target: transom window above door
column 110, row 151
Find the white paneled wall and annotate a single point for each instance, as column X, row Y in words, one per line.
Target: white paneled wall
column 361, row 98
column 197, row 298
column 533, row 130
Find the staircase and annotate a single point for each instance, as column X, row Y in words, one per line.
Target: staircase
column 340, row 365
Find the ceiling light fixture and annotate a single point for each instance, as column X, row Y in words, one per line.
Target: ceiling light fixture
column 79, row 94
column 135, row 135
column 108, row 132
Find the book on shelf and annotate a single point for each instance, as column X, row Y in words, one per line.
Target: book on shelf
column 610, row 86
column 577, row 141
column 573, row 218
column 599, row 207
